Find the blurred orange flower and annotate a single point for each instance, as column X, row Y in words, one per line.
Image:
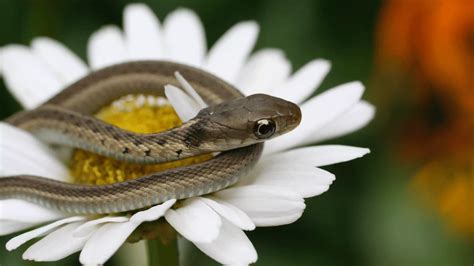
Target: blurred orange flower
column 429, row 45
column 435, row 39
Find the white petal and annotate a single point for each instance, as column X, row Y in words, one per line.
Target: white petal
column 89, row 227
column 106, row 47
column 105, row 242
column 142, row 32
column 40, row 231
column 304, row 82
column 232, row 246
column 229, row 53
column 316, row 113
column 195, row 221
column 185, row 38
column 354, row 119
column 190, row 90
column 264, row 70
column 185, row 106
column 27, row 77
column 266, row 206
column 65, row 64
column 229, row 212
column 107, row 239
column 55, row 246
column 23, row 211
column 8, row 226
column 153, row 213
column 303, row 179
column 21, row 153
column 317, row 155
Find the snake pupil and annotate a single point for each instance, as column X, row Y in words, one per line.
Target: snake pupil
column 264, row 128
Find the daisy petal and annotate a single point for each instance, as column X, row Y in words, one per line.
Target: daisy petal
column 316, row 113
column 304, row 82
column 55, row 246
column 153, row 213
column 24, row 154
column 195, row 221
column 265, row 205
column 185, row 38
column 190, row 90
column 231, row 247
column 264, row 70
column 106, row 47
column 303, row 179
column 185, row 106
column 105, row 242
column 65, row 64
column 142, row 32
column 229, row 53
column 23, row 211
column 27, row 77
column 229, row 212
column 316, row 156
column 40, row 231
column 7, row 227
column 107, row 239
column 89, row 227
column 354, row 119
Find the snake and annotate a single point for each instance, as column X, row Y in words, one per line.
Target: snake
column 232, row 127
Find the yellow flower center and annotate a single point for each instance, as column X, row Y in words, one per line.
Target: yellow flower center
column 138, row 114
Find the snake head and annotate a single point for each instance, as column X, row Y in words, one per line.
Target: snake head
column 250, row 120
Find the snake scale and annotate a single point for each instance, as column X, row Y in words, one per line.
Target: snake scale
column 233, row 125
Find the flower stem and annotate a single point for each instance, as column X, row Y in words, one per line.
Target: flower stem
column 162, row 253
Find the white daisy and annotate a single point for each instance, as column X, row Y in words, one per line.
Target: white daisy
column 272, row 194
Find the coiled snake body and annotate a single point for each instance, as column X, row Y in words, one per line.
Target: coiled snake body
column 232, row 124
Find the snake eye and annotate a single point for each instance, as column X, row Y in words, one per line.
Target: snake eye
column 264, row 128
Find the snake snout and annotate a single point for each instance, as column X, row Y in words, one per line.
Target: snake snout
column 294, row 114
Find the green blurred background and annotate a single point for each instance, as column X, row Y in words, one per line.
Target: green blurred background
column 371, row 215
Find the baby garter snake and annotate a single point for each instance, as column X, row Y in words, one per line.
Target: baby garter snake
column 233, row 125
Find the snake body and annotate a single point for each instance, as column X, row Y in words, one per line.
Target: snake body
column 230, row 125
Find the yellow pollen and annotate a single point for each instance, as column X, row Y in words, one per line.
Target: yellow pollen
column 138, row 114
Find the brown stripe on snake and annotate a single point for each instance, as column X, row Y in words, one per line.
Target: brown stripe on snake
column 234, row 125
